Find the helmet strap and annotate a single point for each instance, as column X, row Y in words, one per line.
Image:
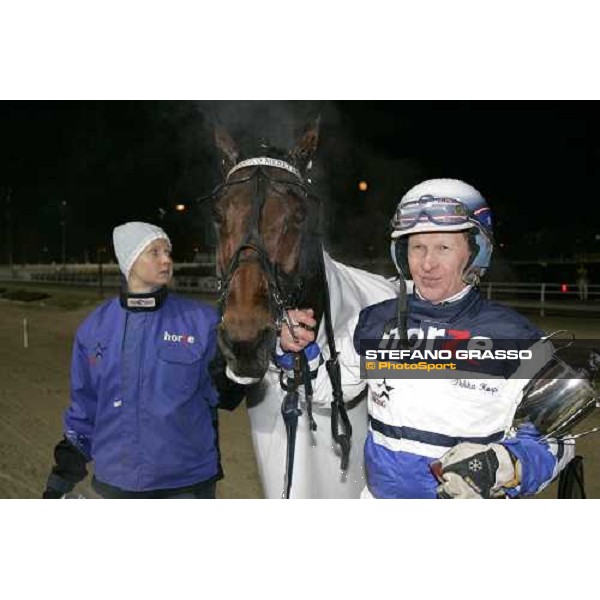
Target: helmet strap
column 471, row 278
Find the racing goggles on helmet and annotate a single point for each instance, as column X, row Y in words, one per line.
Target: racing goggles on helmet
column 440, row 211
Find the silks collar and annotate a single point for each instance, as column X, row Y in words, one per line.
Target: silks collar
column 143, row 302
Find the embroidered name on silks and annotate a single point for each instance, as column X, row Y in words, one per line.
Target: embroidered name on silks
column 180, row 339
column 141, row 302
column 267, row 162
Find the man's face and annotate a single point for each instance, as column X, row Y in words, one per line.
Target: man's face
column 152, row 269
column 436, row 262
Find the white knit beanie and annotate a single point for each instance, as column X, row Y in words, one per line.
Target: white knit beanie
column 131, row 239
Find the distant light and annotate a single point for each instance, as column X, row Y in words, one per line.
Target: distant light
column 363, row 186
column 180, row 207
column 564, row 287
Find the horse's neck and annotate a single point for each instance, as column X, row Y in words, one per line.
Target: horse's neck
column 350, row 290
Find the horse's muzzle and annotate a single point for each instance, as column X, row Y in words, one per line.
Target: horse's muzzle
column 248, row 358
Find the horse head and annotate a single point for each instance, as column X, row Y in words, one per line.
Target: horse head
column 267, row 225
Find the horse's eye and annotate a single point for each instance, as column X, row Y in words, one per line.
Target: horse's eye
column 217, row 214
column 299, row 215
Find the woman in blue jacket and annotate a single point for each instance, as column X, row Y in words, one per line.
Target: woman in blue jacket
column 146, row 379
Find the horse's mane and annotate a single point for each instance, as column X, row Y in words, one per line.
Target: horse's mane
column 310, row 259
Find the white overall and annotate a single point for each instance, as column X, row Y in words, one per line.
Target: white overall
column 316, row 472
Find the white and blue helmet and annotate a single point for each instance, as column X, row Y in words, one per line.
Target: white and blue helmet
column 439, row 205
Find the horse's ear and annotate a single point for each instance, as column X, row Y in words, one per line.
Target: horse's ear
column 302, row 153
column 228, row 151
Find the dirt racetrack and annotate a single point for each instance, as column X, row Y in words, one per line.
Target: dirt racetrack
column 34, row 391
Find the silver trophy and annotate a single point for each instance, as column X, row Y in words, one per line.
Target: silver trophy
column 562, row 393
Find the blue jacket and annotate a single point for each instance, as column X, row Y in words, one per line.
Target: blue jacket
column 412, row 422
column 144, row 410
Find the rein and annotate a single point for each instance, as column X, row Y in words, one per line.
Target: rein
column 341, row 428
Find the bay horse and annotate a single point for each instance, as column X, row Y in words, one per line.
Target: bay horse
column 270, row 258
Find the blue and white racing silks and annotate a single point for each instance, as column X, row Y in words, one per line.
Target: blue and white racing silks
column 412, row 422
column 142, row 400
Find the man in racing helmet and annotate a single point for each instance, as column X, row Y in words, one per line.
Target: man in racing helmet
column 449, row 438
column 444, row 205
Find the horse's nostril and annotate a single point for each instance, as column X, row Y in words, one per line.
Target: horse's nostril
column 263, row 343
column 242, row 349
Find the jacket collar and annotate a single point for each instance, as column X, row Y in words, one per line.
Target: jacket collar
column 143, row 302
column 446, row 311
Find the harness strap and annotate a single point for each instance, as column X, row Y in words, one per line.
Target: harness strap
column 325, row 411
column 290, row 412
column 401, row 316
column 308, row 390
column 341, row 428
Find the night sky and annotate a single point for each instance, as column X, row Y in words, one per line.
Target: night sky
column 535, row 162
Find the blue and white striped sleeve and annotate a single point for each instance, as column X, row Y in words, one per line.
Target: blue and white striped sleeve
column 540, row 461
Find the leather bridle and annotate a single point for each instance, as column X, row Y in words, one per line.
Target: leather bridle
column 284, row 290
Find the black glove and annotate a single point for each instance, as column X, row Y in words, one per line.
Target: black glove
column 475, row 471
column 231, row 394
column 70, row 469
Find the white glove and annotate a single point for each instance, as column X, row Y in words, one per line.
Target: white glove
column 476, row 471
